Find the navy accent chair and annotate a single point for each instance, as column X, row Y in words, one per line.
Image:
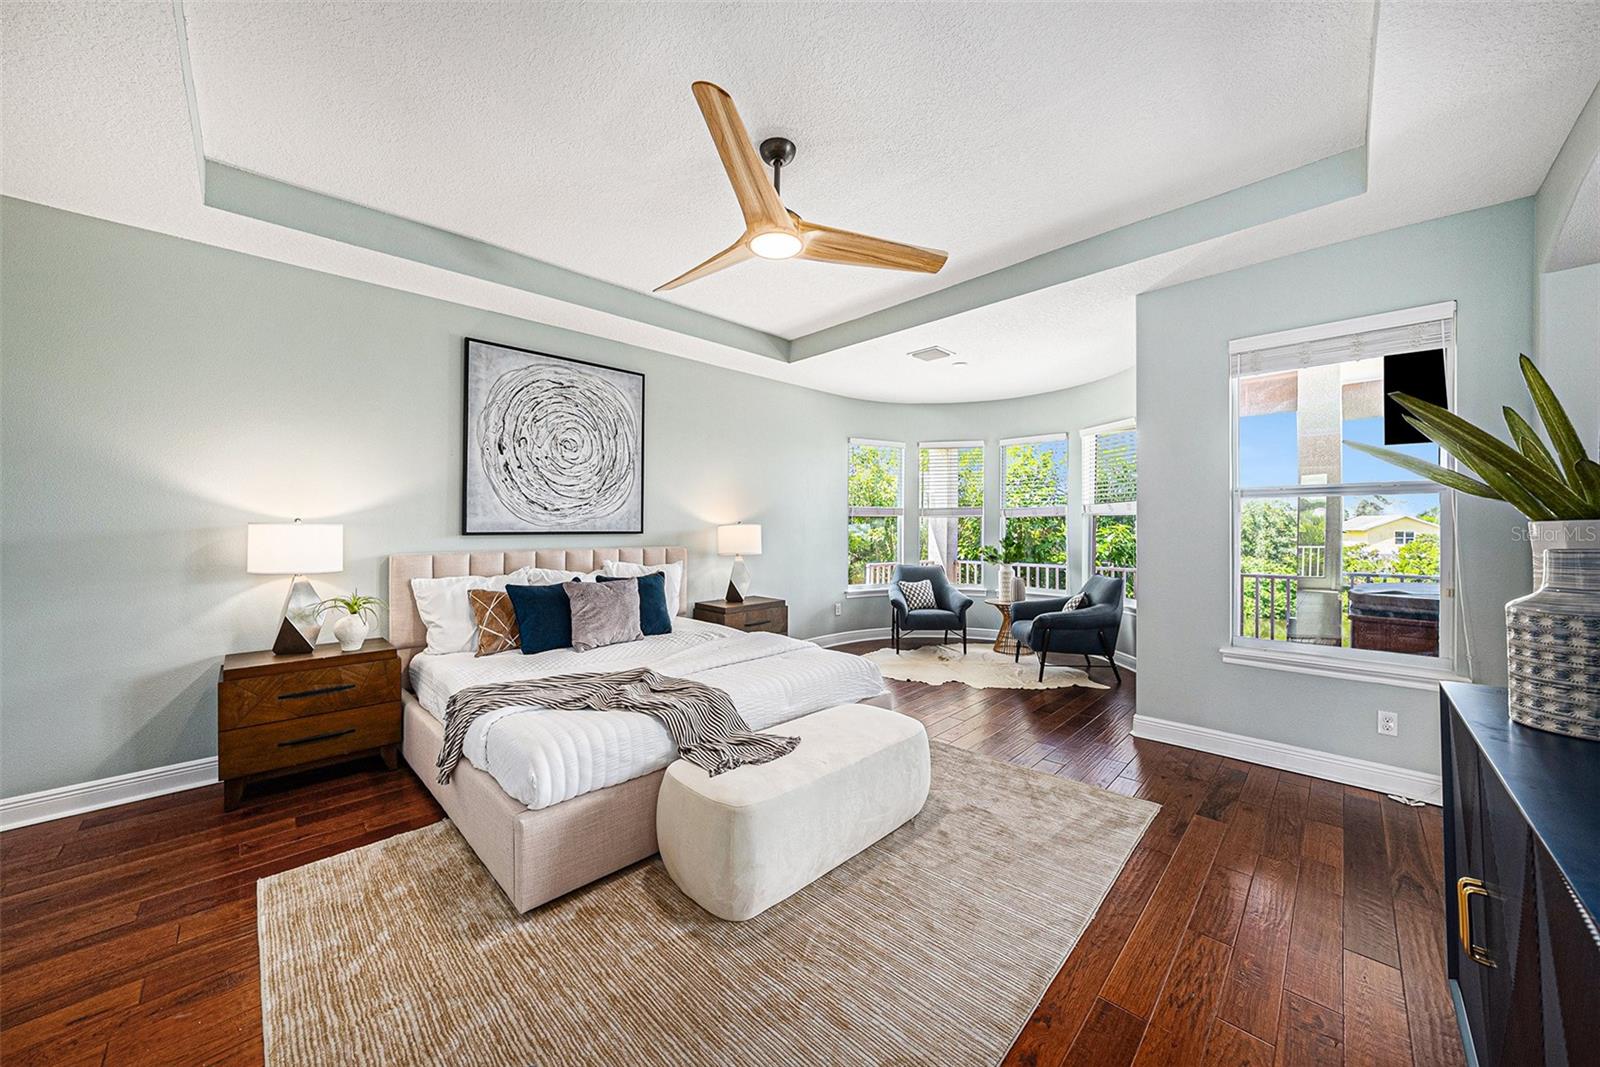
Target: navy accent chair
column 1088, row 631
column 951, row 613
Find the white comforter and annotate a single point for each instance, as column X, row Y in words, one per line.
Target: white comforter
column 543, row 757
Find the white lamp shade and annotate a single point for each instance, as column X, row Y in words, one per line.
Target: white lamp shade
column 294, row 547
column 743, row 539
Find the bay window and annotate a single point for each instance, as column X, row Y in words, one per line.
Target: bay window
column 875, row 506
column 950, row 508
column 1033, row 474
column 1111, row 493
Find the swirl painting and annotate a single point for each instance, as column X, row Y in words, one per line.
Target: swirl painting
column 553, row 445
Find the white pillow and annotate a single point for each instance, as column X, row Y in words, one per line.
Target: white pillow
column 446, row 612
column 673, row 571
column 547, row 576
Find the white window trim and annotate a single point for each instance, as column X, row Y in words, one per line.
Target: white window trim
column 1401, row 669
column 898, row 513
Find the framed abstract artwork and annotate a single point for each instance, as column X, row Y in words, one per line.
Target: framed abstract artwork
column 553, row 445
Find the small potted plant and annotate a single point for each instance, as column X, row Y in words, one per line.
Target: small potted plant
column 1005, row 577
column 354, row 611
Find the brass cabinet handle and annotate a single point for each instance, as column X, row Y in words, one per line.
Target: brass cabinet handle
column 1466, row 889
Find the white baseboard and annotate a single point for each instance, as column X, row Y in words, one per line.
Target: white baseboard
column 1381, row 777
column 58, row 803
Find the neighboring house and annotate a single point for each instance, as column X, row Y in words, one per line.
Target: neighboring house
column 1387, row 533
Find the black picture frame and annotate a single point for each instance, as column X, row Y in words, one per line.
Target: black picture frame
column 484, row 509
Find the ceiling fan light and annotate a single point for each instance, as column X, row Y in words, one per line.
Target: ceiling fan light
column 775, row 245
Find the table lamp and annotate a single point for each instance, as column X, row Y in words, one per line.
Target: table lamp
column 296, row 548
column 739, row 541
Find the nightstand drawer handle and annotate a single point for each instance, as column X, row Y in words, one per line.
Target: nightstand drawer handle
column 324, row 691
column 314, row 738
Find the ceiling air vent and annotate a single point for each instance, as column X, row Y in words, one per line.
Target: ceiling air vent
column 931, row 354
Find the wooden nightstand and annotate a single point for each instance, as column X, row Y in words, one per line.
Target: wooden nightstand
column 277, row 714
column 753, row 614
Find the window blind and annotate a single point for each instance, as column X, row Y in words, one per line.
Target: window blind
column 876, row 477
column 1111, row 467
column 1034, row 471
column 951, row 477
column 1372, row 337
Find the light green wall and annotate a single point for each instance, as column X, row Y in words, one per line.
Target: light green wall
column 156, row 395
column 1481, row 259
column 1568, row 346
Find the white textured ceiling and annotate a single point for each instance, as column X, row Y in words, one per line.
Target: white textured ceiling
column 568, row 132
column 1048, row 123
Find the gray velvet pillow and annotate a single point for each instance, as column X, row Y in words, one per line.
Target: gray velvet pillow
column 603, row 613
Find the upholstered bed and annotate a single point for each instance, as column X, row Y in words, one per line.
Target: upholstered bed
column 535, row 854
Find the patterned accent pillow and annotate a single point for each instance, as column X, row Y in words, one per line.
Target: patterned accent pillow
column 1076, row 602
column 495, row 620
column 919, row 595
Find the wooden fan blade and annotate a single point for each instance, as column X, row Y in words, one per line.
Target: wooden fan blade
column 737, row 252
column 758, row 200
column 829, row 245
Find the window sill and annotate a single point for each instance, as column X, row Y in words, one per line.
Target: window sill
column 851, row 594
column 1405, row 676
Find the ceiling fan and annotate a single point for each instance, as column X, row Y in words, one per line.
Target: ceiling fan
column 771, row 231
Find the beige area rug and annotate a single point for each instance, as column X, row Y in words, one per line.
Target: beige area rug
column 931, row 947
column 981, row 668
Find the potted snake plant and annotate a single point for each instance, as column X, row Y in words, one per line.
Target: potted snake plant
column 1553, row 634
column 1558, row 491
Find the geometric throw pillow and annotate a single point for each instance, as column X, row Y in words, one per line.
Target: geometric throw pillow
column 496, row 621
column 919, row 595
column 1076, row 601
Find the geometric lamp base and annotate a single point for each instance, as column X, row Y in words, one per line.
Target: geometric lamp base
column 297, row 633
column 738, row 581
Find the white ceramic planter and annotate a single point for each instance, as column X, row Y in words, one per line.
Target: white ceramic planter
column 351, row 632
column 1553, row 647
column 1580, row 534
column 1005, row 583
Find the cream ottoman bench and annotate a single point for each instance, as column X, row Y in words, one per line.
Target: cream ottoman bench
column 738, row 843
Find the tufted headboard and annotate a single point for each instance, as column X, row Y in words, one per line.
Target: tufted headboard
column 406, row 631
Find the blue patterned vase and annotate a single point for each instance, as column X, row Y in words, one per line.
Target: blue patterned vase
column 1553, row 647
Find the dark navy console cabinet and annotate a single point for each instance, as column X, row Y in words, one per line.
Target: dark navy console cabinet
column 1522, row 885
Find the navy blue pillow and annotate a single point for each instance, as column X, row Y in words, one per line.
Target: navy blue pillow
column 654, row 616
column 544, row 615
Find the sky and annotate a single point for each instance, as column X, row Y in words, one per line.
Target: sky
column 1268, row 456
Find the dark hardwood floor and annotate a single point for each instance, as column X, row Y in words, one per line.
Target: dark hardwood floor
column 1265, row 918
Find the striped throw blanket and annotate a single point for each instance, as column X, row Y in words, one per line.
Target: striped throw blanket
column 703, row 722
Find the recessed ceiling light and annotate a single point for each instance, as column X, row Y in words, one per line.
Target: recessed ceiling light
column 931, row 354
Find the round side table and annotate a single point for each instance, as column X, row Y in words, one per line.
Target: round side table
column 1003, row 641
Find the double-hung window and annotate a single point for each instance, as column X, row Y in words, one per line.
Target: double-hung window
column 1033, row 506
column 1337, row 553
column 875, row 504
column 1111, row 493
column 950, row 508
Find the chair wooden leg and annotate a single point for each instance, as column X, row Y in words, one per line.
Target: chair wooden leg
column 1041, row 664
column 963, row 639
column 1016, row 653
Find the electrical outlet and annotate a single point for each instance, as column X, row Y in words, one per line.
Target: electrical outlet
column 1389, row 724
column 838, row 609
